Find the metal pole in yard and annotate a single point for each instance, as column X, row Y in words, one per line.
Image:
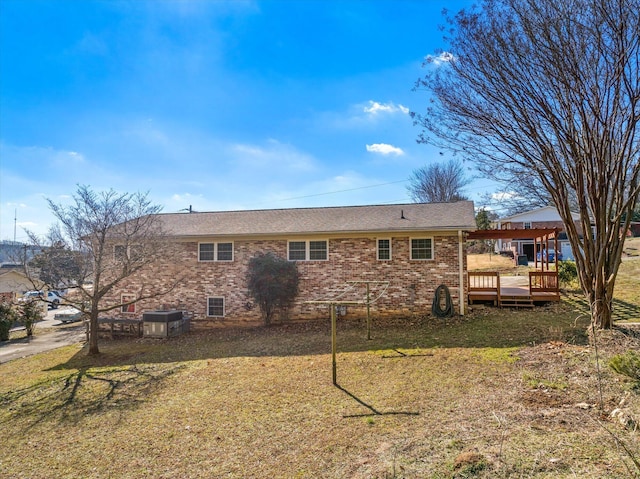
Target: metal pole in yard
column 368, row 314
column 333, row 343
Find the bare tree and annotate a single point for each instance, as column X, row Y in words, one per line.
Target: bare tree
column 438, row 183
column 101, row 239
column 545, row 95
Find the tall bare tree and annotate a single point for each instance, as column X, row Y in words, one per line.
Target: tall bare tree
column 438, row 183
column 100, row 240
column 545, row 95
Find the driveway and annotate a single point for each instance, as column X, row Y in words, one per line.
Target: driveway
column 54, row 337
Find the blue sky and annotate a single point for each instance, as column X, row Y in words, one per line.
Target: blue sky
column 215, row 104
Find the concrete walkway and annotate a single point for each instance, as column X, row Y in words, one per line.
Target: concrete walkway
column 43, row 341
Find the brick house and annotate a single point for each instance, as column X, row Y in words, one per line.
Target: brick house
column 416, row 247
column 546, row 217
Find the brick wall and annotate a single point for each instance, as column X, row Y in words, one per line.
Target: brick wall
column 411, row 283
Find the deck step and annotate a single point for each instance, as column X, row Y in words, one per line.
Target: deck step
column 516, row 302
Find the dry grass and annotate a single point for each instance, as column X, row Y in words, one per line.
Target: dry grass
column 490, row 262
column 499, row 394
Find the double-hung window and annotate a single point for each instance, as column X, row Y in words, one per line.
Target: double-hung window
column 384, row 249
column 313, row 250
column 422, row 248
column 215, row 307
column 215, row 252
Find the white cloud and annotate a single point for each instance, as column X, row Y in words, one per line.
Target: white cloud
column 443, row 57
column 374, row 108
column 505, row 195
column 272, row 155
column 384, row 149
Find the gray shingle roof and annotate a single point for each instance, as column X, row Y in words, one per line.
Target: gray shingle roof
column 345, row 219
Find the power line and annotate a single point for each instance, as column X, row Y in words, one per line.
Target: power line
column 342, row 191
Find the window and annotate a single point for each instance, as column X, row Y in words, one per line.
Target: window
column 225, row 252
column 215, row 307
column 207, row 251
column 297, row 250
column 308, row 250
column 317, row 250
column 215, row 251
column 527, row 225
column 422, row 248
column 125, row 299
column 384, row 249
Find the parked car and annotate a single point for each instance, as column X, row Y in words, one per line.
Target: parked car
column 69, row 316
column 53, row 299
column 542, row 255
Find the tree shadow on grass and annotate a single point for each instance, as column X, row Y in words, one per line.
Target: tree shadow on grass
column 83, row 392
column 621, row 310
column 372, row 410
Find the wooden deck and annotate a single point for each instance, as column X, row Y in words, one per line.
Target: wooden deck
column 486, row 287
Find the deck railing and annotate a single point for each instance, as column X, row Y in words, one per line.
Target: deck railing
column 543, row 285
column 484, row 286
column 543, row 281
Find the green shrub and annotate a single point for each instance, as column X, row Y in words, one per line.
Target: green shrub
column 627, row 364
column 273, row 284
column 30, row 314
column 567, row 272
column 7, row 317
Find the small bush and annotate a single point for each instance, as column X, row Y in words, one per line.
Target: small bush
column 7, row 317
column 627, row 364
column 273, row 283
column 30, row 314
column 567, row 272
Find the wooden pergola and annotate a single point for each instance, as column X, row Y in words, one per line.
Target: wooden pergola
column 540, row 236
column 543, row 283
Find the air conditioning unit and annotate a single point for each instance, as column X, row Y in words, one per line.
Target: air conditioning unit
column 162, row 324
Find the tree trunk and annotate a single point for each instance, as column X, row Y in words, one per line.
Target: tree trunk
column 93, row 332
column 600, row 304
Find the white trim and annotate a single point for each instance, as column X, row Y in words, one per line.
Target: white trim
column 378, row 249
column 224, row 307
column 433, row 252
column 216, row 252
column 307, row 249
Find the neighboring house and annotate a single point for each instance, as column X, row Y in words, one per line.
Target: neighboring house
column 416, row 247
column 13, row 282
column 546, row 217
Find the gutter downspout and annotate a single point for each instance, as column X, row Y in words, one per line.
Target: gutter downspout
column 461, row 278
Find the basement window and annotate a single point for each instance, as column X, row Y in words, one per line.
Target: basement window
column 215, row 307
